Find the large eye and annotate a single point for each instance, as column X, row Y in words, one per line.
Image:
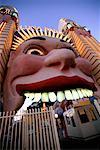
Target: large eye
column 35, row 52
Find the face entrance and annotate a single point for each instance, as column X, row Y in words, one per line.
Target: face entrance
column 60, row 100
column 48, row 72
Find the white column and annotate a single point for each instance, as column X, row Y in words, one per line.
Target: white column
column 97, row 106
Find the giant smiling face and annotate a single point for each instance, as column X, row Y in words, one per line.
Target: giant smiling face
column 44, row 64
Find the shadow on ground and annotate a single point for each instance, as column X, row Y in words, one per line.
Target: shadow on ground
column 72, row 144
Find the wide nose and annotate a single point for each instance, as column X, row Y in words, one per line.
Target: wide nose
column 61, row 58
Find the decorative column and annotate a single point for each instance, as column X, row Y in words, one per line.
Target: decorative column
column 8, row 25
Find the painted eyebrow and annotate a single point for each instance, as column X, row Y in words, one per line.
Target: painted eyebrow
column 67, row 46
column 38, row 38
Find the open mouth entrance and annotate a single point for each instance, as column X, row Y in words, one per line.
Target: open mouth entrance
column 43, row 100
column 58, row 96
column 71, row 98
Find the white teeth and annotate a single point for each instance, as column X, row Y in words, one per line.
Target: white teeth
column 75, row 94
column 68, row 95
column 80, row 93
column 29, row 95
column 52, row 96
column 86, row 92
column 37, row 97
column 45, row 97
column 89, row 92
column 83, row 92
column 60, row 96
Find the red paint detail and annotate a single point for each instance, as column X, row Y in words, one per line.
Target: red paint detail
column 55, row 84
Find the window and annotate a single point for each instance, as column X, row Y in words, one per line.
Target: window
column 83, row 116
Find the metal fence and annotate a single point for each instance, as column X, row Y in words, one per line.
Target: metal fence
column 36, row 130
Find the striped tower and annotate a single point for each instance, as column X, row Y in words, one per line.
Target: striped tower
column 86, row 45
column 8, row 24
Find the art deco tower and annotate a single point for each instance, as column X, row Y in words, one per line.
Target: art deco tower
column 87, row 47
column 8, row 25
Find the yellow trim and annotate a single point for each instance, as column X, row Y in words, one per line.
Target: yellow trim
column 29, row 32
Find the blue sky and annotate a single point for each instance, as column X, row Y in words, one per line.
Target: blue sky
column 48, row 12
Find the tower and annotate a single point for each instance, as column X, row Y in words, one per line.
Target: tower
column 8, row 24
column 87, row 47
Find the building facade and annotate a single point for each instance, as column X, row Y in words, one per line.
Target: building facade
column 65, row 75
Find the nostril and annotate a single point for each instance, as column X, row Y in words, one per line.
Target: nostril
column 72, row 63
column 67, row 64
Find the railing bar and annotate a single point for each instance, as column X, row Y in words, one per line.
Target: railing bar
column 51, row 138
column 9, row 123
column 30, row 129
column 15, row 135
column 40, row 127
column 23, row 133
column 5, row 128
column 12, row 127
column 46, row 121
column 2, row 124
column 19, row 138
column 55, row 131
column 27, row 135
column 44, row 137
column 37, row 130
column 33, row 122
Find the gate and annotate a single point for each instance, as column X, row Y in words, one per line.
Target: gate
column 36, row 130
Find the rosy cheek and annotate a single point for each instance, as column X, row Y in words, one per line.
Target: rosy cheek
column 84, row 65
column 27, row 64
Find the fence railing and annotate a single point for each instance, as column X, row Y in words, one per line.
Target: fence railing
column 35, row 130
